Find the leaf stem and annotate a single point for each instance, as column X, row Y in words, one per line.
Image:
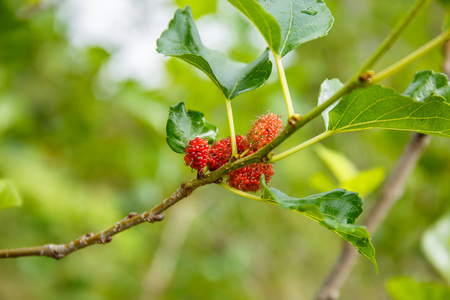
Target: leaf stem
column 302, row 146
column 231, row 124
column 319, row 109
column 398, row 30
column 284, row 85
column 431, row 45
column 241, row 193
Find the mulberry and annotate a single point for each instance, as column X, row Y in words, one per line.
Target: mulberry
column 197, row 154
column 247, row 178
column 264, row 130
column 220, row 152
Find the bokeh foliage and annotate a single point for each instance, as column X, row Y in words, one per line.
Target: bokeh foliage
column 82, row 160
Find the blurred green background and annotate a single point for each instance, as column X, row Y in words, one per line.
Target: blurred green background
column 82, row 136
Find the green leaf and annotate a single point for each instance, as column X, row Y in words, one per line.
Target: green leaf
column 182, row 40
column 427, row 83
column 404, row 288
column 335, row 210
column 8, row 195
column 183, row 127
column 340, row 166
column 348, row 175
column 327, row 89
column 267, row 25
column 299, row 21
column 436, row 246
column 321, row 182
column 366, row 181
column 381, row 107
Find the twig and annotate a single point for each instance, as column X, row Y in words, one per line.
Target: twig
column 390, row 193
column 105, row 236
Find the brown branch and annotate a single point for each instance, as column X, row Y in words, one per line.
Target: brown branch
column 392, row 191
column 155, row 214
column 105, row 236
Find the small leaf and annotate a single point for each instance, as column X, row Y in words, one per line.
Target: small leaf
column 321, row 182
column 8, row 195
column 436, row 246
column 327, row 89
column 405, row 288
column 182, row 40
column 381, row 107
column 427, row 83
column 348, row 175
column 183, row 127
column 366, row 181
column 335, row 210
column 299, row 21
column 340, row 166
column 267, row 25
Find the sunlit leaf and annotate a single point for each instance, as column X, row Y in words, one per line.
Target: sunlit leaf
column 321, row 182
column 299, row 21
column 182, row 40
column 183, row 126
column 404, row 288
column 366, row 182
column 427, row 83
column 381, row 107
column 340, row 166
column 335, row 210
column 267, row 25
column 347, row 174
column 327, row 89
column 8, row 195
column 436, row 246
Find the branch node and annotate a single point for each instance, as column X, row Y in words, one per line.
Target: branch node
column 294, row 119
column 155, row 218
column 366, row 77
column 131, row 215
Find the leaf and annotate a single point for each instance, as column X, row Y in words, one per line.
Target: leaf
column 299, row 21
column 8, row 195
column 267, row 25
column 340, row 166
column 366, row 181
column 321, row 182
column 405, row 288
column 182, row 40
column 426, row 83
column 183, row 127
column 436, row 246
column 381, row 107
column 335, row 210
column 348, row 175
column 327, row 89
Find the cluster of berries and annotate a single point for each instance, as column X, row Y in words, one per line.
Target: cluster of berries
column 199, row 155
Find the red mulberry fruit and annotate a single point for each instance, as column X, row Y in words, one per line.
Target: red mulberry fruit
column 247, row 178
column 197, row 154
column 220, row 152
column 264, row 130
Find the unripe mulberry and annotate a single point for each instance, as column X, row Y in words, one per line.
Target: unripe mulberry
column 197, row 154
column 220, row 152
column 247, row 178
column 264, row 130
